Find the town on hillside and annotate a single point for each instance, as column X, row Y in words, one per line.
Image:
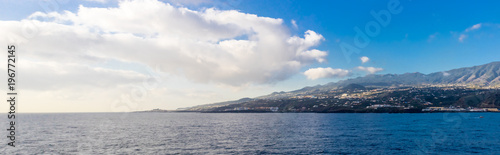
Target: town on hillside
column 360, row 99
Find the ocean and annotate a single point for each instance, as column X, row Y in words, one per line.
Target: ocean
column 255, row 133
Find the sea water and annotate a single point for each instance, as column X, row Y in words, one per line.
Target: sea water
column 255, row 133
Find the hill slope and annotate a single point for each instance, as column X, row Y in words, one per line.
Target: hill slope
column 482, row 75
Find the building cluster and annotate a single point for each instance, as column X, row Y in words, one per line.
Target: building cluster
column 272, row 109
column 376, row 106
column 457, row 109
column 431, row 97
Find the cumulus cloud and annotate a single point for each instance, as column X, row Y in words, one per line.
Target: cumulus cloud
column 370, row 70
column 364, row 59
column 317, row 73
column 207, row 46
column 313, row 55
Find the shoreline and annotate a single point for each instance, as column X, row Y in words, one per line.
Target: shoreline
column 331, row 112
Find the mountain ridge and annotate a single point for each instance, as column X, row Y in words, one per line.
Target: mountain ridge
column 486, row 74
column 480, row 75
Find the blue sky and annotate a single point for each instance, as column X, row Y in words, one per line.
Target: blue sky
column 405, row 44
column 422, row 38
column 211, row 51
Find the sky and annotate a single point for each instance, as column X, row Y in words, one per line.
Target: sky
column 119, row 56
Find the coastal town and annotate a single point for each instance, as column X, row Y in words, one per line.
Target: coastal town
column 357, row 98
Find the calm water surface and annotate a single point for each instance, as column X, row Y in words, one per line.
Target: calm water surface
column 266, row 133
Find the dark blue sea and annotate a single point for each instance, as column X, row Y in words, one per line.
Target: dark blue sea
column 255, row 133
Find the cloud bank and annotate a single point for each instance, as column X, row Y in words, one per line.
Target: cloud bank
column 225, row 47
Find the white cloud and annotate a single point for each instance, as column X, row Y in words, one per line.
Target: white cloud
column 473, row 27
column 87, row 59
column 207, row 46
column 317, row 73
column 370, row 70
column 313, row 55
column 46, row 76
column 364, row 59
column 99, row 1
column 294, row 24
column 462, row 37
column 193, row 2
column 446, row 74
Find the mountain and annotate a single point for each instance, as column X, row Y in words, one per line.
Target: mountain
column 482, row 75
column 353, row 87
column 484, row 100
column 201, row 107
